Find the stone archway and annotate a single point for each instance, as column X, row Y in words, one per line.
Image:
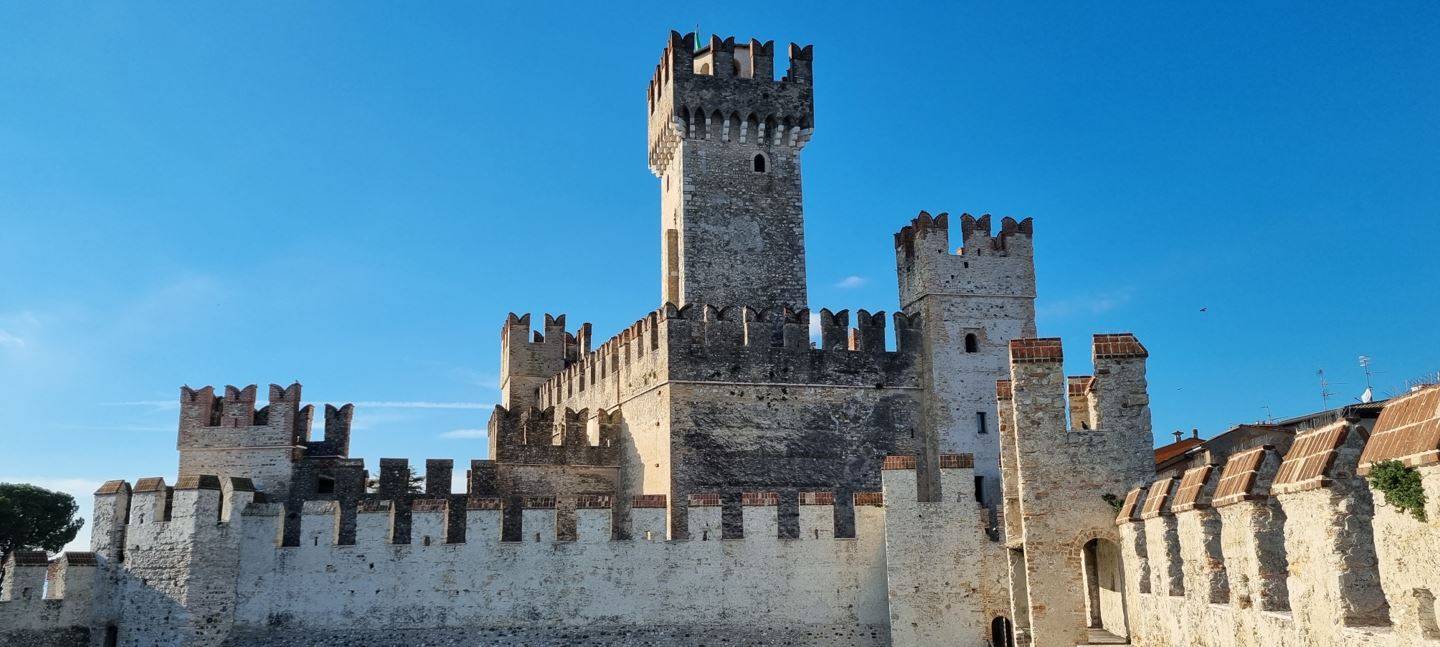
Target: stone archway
column 1104, row 574
column 1002, row 632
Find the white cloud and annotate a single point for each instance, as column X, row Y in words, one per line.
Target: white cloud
column 466, row 433
column 82, row 489
column 851, row 282
column 387, row 404
column 1083, row 304
column 9, row 339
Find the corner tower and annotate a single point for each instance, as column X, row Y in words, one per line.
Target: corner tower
column 725, row 141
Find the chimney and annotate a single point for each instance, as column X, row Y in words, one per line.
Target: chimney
column 1178, row 435
column 1195, row 433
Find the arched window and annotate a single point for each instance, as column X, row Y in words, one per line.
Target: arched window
column 972, row 343
column 759, row 163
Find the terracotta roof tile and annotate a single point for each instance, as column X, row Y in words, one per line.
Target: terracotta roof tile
column 648, row 501
column 1028, row 351
column 1238, row 479
column 538, row 503
column 899, row 462
column 112, row 487
column 704, row 500
column 1130, row 508
column 1118, row 346
column 759, row 498
column 1157, row 497
column 428, row 505
column 1408, row 430
column 1307, row 464
column 957, row 461
column 1166, row 453
column 592, row 502
column 1192, row 485
column 29, row 558
column 150, row 484
column 483, row 503
column 817, row 498
column 870, row 498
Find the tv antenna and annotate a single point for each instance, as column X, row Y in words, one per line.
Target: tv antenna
column 1369, row 394
column 1325, row 385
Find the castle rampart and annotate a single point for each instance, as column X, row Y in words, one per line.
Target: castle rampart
column 193, row 574
column 1268, row 549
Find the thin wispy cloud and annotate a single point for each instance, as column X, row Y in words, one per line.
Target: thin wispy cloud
column 851, row 282
column 1083, row 304
column 10, row 340
column 465, row 434
column 410, row 404
column 122, row 428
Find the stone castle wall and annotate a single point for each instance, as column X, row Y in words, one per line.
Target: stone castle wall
column 1265, row 549
column 203, row 564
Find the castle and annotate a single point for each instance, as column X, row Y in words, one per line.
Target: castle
column 711, row 476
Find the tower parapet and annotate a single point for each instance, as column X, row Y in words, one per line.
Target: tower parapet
column 528, row 359
column 228, row 436
column 725, row 141
column 989, row 263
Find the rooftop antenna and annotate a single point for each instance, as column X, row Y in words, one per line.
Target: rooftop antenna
column 1369, row 394
column 1269, row 417
column 1325, row 385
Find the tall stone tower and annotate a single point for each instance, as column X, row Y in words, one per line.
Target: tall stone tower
column 970, row 302
column 725, row 141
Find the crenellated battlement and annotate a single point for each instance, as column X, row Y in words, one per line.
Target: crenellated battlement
column 528, row 358
column 676, row 342
column 228, row 436
column 726, row 91
column 988, row 264
column 552, row 436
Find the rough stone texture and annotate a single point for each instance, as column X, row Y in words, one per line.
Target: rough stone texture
column 712, row 418
column 928, row 545
column 1308, row 558
column 726, row 147
column 969, row 305
column 1062, row 470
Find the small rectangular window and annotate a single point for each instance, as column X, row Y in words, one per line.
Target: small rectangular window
column 979, row 489
column 980, row 426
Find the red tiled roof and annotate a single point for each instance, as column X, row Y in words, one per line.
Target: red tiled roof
column 1128, row 508
column 954, row 461
column 1165, row 453
column 1027, row 351
column 1308, row 462
column 1156, row 498
column 1408, row 430
column 1237, row 480
column 1188, row 496
column 898, row 462
column 1118, row 346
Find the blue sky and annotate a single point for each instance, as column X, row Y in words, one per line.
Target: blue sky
column 354, row 195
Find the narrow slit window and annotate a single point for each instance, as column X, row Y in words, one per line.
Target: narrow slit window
column 972, row 343
column 979, row 489
column 981, row 425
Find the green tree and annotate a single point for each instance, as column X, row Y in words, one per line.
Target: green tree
column 34, row 518
column 415, row 484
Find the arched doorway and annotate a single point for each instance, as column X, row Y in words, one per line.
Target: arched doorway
column 1002, row 633
column 1105, row 587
